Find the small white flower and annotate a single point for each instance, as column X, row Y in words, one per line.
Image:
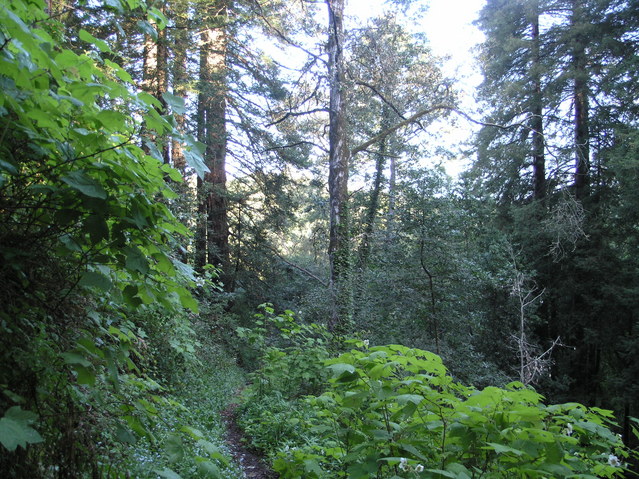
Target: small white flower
column 568, row 430
column 366, row 345
column 403, row 464
column 419, row 468
column 614, row 461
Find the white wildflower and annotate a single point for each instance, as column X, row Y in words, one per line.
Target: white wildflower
column 419, row 468
column 366, row 345
column 403, row 464
column 568, row 430
column 614, row 461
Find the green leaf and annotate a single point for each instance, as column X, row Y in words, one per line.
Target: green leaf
column 503, row 449
column 341, row 368
column 194, row 156
column 167, row 474
column 146, row 28
column 97, row 228
column 75, row 358
column 208, row 469
column 406, row 398
column 86, row 376
column 8, row 167
column 175, row 102
column 135, row 260
column 187, row 300
column 124, row 435
column 101, row 44
column 174, row 448
column 16, row 430
column 93, row 279
column 80, row 181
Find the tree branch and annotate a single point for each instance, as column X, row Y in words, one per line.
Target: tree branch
column 413, row 119
column 382, row 97
column 296, row 113
column 401, row 124
column 292, row 145
column 299, row 268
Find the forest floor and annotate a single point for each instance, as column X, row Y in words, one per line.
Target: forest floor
column 253, row 465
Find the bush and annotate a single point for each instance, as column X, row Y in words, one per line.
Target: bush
column 395, row 412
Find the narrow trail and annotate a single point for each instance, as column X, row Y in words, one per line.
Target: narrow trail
column 252, row 464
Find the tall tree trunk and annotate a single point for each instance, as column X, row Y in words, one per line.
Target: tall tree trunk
column 392, row 195
column 581, row 106
column 201, row 227
column 215, row 155
column 155, row 79
column 338, row 249
column 537, row 123
column 373, row 205
column 213, row 237
column 179, row 41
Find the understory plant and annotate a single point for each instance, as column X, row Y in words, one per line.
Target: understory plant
column 395, row 412
column 291, row 358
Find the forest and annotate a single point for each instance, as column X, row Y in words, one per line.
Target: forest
column 228, row 226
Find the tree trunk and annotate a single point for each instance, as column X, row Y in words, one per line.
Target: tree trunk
column 212, row 242
column 581, row 106
column 537, row 123
column 155, row 79
column 373, row 205
column 179, row 40
column 339, row 155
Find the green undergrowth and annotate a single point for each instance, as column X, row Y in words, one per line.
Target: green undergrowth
column 187, row 439
column 395, row 412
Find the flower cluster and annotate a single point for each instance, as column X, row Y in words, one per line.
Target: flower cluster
column 404, row 466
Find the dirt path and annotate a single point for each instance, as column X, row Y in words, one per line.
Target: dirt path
column 252, row 464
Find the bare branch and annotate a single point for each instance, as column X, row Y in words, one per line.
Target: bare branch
column 299, row 268
column 292, row 145
column 415, row 117
column 411, row 119
column 382, row 97
column 297, row 113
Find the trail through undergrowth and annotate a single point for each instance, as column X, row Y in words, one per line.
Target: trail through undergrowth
column 253, row 465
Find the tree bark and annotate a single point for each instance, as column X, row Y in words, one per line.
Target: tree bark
column 537, row 123
column 339, row 156
column 212, row 243
column 179, row 41
column 581, row 105
column 155, row 79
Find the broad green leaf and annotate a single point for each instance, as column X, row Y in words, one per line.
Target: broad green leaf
column 101, row 44
column 75, row 358
column 135, row 260
column 8, row 167
column 503, row 449
column 148, row 29
column 340, row 368
column 167, row 474
column 93, row 279
column 16, row 430
column 174, row 448
column 194, row 156
column 176, row 103
column 97, row 228
column 82, row 182
column 187, row 300
column 405, row 398
column 208, row 469
column 125, row 435
column 86, row 376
